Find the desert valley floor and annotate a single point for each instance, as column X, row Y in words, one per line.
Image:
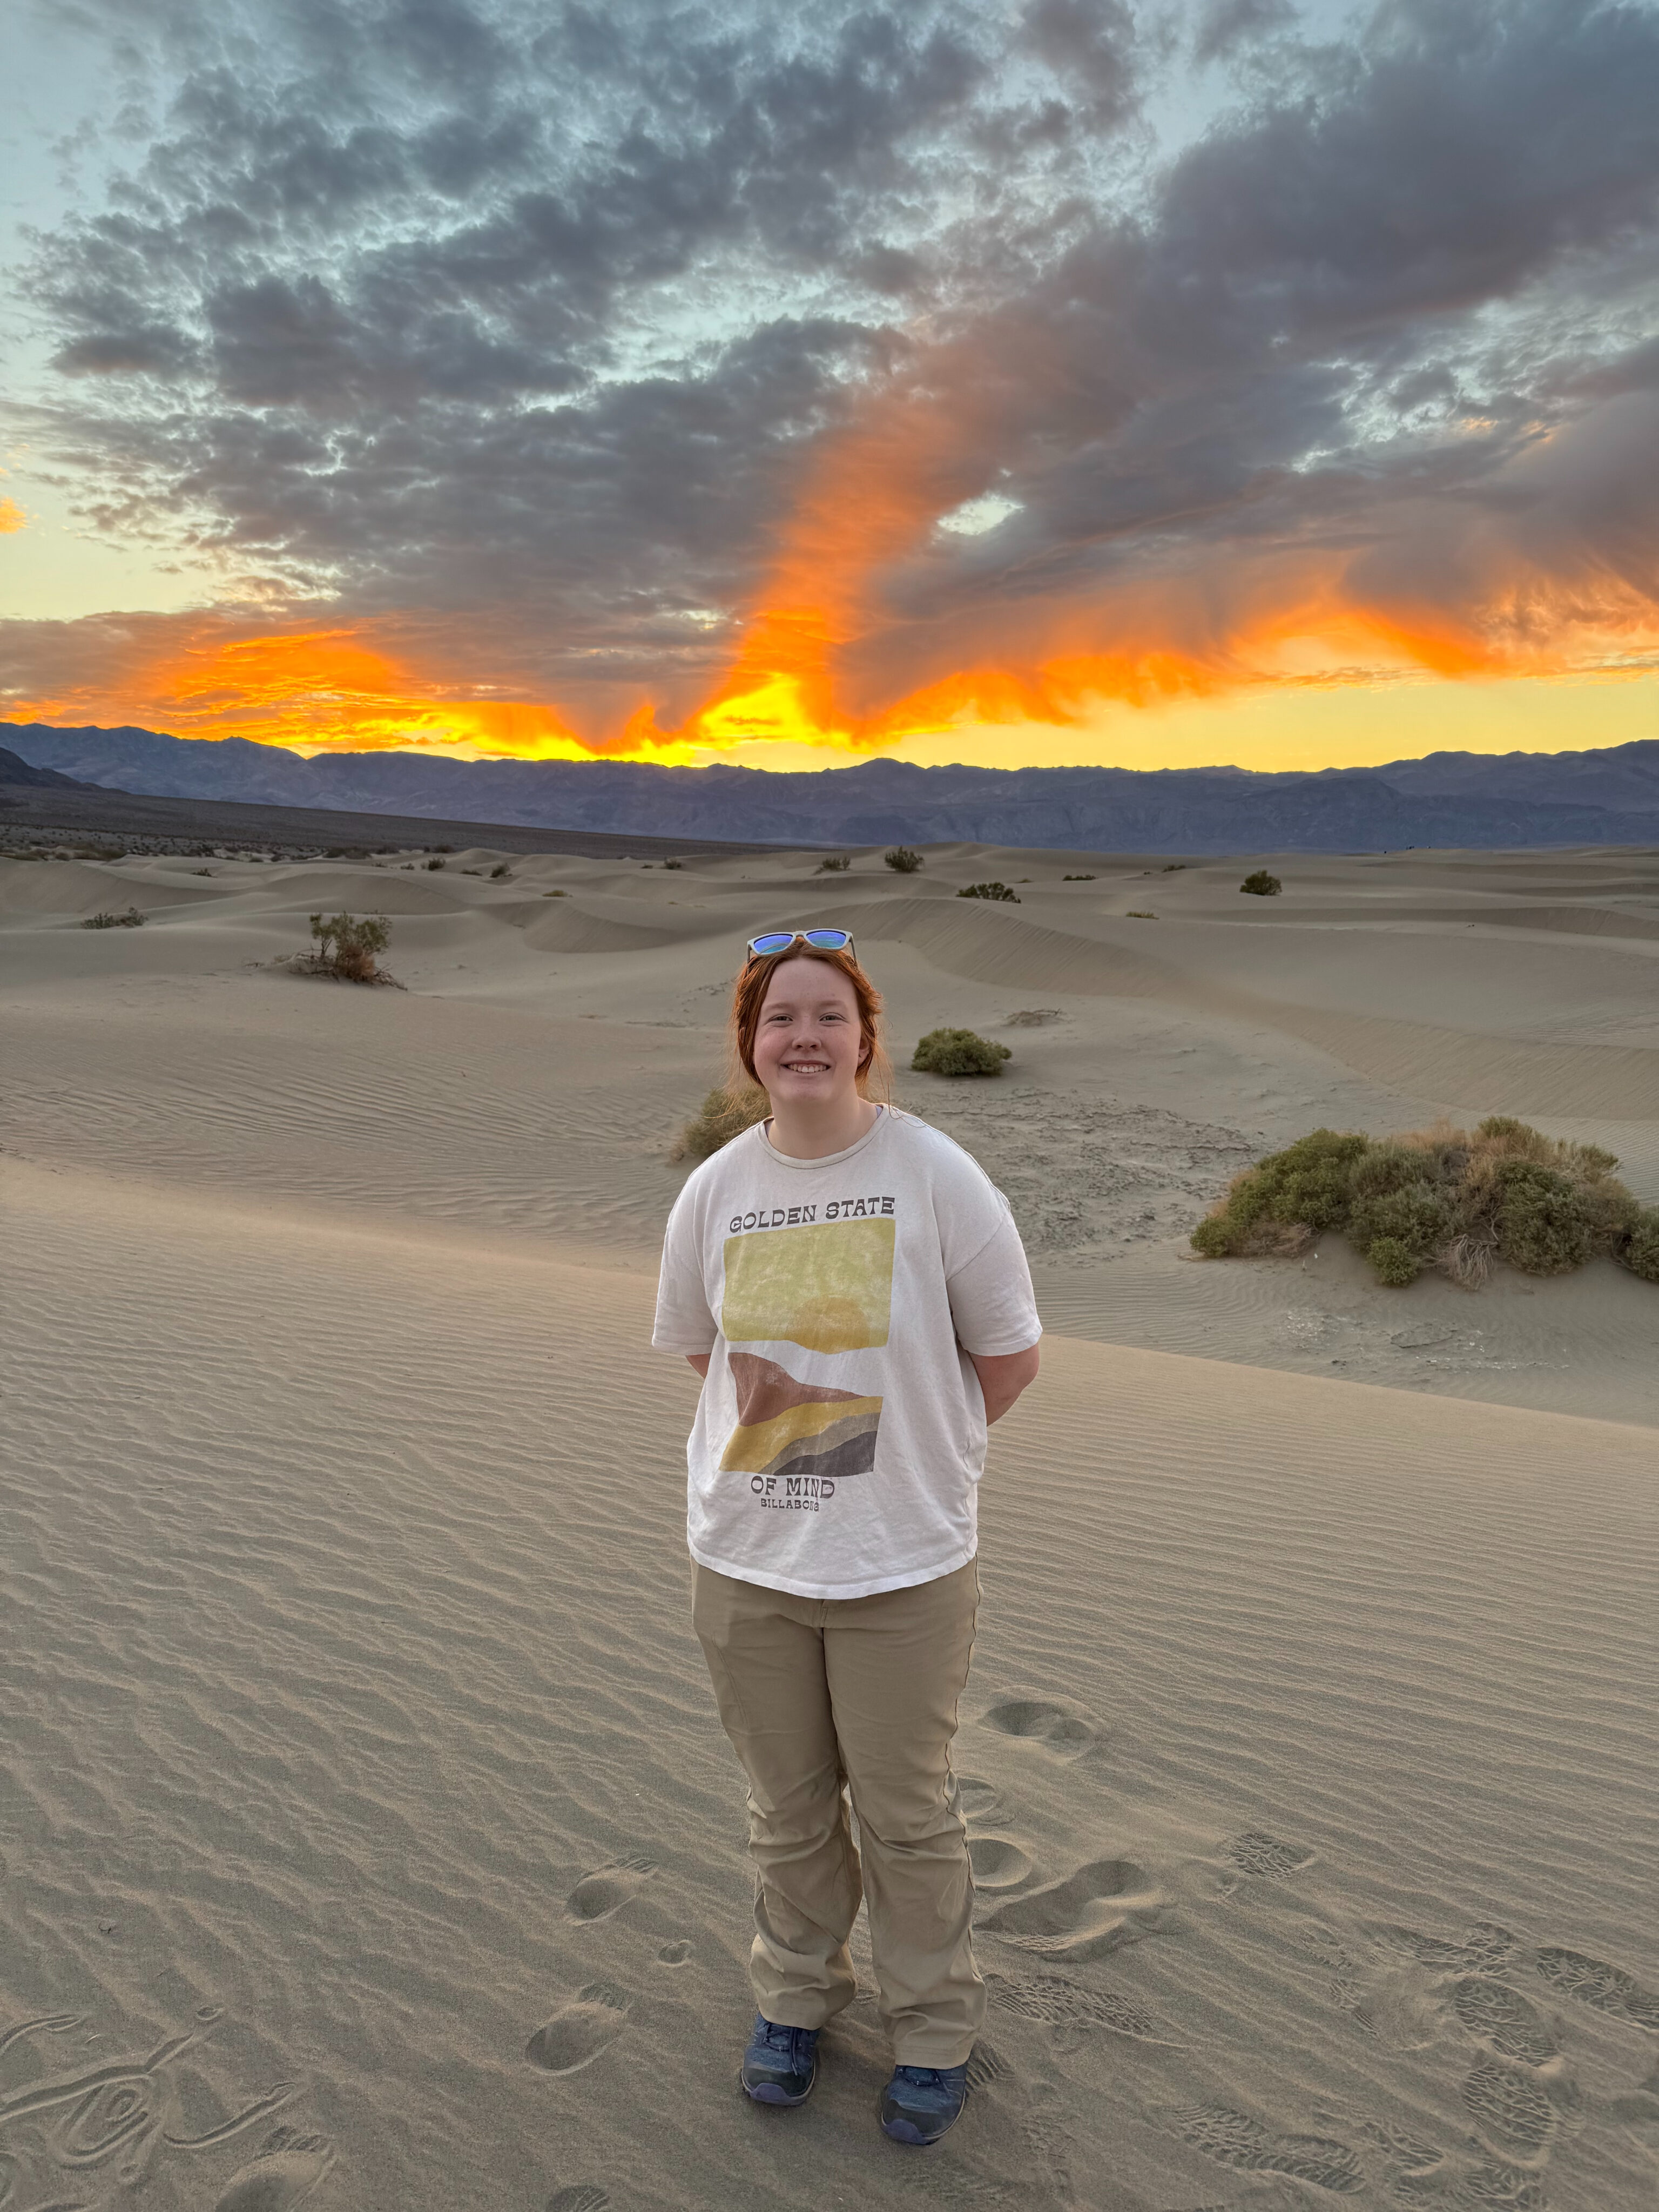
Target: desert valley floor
column 368, row 1839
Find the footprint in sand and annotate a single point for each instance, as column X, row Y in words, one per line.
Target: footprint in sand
column 1498, row 2016
column 1511, row 2111
column 977, row 1799
column 608, row 1888
column 674, row 1954
column 1593, row 1982
column 1066, row 1734
column 1255, row 1853
column 1056, row 2000
column 1235, row 2139
column 585, row 2196
column 1483, row 1949
column 1106, row 1903
column 578, row 2031
column 288, row 2167
column 998, row 1862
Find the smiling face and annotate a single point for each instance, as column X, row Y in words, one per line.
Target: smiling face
column 808, row 1042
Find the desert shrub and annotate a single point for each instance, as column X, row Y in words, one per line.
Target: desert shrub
column 500, row 870
column 437, row 864
column 1261, row 885
column 1076, row 879
column 901, row 860
column 443, row 848
column 1439, row 1197
column 131, row 920
column 1173, row 868
column 1140, row 914
column 1640, row 1249
column 959, row 1052
column 200, row 872
column 1396, row 1263
column 1411, row 1223
column 556, row 894
column 723, row 1115
column 989, row 892
column 1543, row 1224
column 837, row 865
column 673, row 864
column 347, row 946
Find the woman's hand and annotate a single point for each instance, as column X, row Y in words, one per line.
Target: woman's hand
column 1001, row 1378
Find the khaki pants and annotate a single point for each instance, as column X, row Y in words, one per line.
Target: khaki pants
column 818, row 1693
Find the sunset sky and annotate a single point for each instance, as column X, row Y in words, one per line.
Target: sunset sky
column 1013, row 382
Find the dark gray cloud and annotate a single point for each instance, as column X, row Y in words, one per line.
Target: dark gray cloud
column 537, row 320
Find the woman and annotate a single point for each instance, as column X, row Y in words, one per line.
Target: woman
column 854, row 1292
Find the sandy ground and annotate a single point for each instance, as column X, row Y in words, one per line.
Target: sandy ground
column 368, row 1837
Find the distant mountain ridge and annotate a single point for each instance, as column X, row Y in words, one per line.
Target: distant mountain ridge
column 1609, row 796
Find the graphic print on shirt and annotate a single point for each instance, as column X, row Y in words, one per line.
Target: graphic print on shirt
column 828, row 1288
column 789, row 1428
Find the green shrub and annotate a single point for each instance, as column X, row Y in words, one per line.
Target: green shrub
column 1416, row 1219
column 839, row 863
column 673, row 864
column 990, row 891
column 723, row 1115
column 1076, row 879
column 1173, row 868
column 437, row 864
column 131, row 920
column 1261, row 885
column 901, row 860
column 1396, row 1263
column 1440, row 1197
column 959, row 1052
column 347, row 943
column 1640, row 1250
column 1544, row 1226
column 1140, row 914
column 500, row 870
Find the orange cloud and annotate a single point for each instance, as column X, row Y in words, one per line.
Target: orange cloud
column 12, row 518
column 823, row 660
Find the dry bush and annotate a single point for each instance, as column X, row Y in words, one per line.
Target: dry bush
column 837, row 865
column 990, row 891
column 902, row 859
column 724, row 1114
column 1441, row 1197
column 131, row 920
column 348, row 948
column 1261, row 885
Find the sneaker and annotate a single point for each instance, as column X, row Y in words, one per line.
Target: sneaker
column 921, row 2102
column 780, row 2064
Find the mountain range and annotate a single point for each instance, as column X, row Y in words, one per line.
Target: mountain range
column 1609, row 796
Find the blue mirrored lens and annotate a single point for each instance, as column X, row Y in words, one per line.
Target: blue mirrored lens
column 774, row 943
column 827, row 940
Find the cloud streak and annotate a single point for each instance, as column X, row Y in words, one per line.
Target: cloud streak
column 598, row 380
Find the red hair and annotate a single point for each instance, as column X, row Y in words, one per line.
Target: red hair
column 875, row 1074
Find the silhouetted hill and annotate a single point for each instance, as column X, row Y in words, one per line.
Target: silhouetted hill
column 15, row 769
column 1606, row 797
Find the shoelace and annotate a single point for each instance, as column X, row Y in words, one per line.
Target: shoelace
column 777, row 2038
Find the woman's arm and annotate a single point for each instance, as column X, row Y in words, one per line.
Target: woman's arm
column 1002, row 1377
column 700, row 1360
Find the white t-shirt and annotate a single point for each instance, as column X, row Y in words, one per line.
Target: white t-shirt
column 840, row 1434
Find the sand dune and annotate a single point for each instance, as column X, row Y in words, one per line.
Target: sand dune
column 369, row 1839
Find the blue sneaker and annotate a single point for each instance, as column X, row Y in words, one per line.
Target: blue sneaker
column 780, row 2064
column 920, row 2103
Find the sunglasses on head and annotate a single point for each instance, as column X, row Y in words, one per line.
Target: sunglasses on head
column 779, row 940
